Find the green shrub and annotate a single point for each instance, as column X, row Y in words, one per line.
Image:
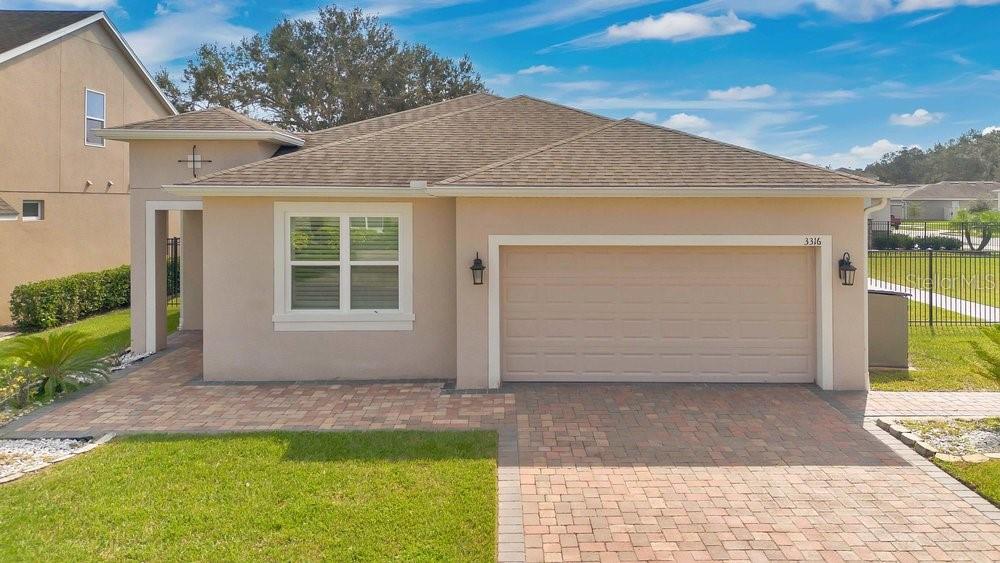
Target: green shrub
column 16, row 383
column 883, row 240
column 50, row 303
column 938, row 242
column 987, row 354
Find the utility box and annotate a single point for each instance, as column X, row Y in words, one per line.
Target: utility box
column 888, row 335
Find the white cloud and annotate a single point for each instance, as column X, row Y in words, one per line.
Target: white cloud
column 991, row 129
column 538, row 69
column 920, row 5
column 650, row 116
column 918, row 118
column 924, row 19
column 677, row 26
column 180, row 28
column 743, row 93
column 992, row 75
column 959, row 59
column 674, row 26
column 687, row 122
column 858, row 156
column 499, row 79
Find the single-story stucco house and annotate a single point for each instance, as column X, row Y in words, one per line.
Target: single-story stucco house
column 613, row 250
column 940, row 200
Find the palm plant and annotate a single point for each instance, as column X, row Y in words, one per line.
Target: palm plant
column 988, row 355
column 62, row 360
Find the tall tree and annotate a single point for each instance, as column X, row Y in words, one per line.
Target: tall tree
column 344, row 66
column 973, row 156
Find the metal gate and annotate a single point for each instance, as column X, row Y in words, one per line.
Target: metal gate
column 173, row 269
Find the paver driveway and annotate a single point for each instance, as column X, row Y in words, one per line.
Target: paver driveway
column 609, row 472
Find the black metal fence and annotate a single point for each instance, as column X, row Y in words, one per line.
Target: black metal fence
column 946, row 287
column 173, row 269
column 937, row 235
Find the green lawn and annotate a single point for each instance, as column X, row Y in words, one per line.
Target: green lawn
column 940, row 357
column 971, row 278
column 345, row 496
column 110, row 331
column 984, row 478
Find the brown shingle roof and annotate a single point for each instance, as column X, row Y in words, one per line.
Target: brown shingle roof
column 18, row 27
column 949, row 190
column 211, row 119
column 6, row 210
column 358, row 128
column 430, row 150
column 630, row 153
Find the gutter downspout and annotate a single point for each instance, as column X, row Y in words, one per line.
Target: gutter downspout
column 880, row 205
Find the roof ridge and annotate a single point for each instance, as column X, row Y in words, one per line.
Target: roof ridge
column 496, row 98
column 564, row 106
column 532, row 152
column 247, row 120
column 164, row 117
column 345, row 141
column 756, row 152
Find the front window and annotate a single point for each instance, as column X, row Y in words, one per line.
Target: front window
column 94, row 113
column 32, row 210
column 344, row 263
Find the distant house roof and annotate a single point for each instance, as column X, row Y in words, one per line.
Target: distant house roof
column 24, row 30
column 954, row 190
column 6, row 210
column 211, row 123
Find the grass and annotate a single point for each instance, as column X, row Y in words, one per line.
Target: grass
column 984, row 478
column 940, row 357
column 110, row 331
column 970, row 277
column 345, row 496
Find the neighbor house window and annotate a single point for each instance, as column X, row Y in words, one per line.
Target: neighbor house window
column 94, row 112
column 32, row 210
column 343, row 267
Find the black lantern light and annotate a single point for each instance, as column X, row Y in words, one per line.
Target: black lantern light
column 847, row 270
column 477, row 270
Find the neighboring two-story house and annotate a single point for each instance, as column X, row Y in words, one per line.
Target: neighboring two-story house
column 63, row 190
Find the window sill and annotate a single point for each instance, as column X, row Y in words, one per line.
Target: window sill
column 331, row 322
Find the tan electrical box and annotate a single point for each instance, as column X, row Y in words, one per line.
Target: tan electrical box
column 888, row 337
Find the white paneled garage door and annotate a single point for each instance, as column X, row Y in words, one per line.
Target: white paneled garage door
column 658, row 313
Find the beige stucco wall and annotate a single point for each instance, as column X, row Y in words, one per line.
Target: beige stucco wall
column 153, row 164
column 477, row 218
column 450, row 332
column 241, row 344
column 43, row 156
column 38, row 250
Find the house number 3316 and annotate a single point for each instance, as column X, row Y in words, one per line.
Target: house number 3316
column 813, row 241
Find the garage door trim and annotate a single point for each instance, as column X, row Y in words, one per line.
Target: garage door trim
column 824, row 279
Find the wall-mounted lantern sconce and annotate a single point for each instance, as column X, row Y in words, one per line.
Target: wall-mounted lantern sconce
column 847, row 270
column 477, row 270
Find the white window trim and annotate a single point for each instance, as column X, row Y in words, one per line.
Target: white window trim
column 41, row 210
column 825, row 273
column 286, row 319
column 86, row 116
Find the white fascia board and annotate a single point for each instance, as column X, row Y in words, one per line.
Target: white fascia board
column 195, row 135
column 98, row 17
column 297, row 191
column 749, row 191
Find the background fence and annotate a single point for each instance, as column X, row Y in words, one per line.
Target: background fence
column 173, row 269
column 938, row 235
column 945, row 287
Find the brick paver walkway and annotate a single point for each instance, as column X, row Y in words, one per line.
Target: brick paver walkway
column 616, row 472
column 895, row 403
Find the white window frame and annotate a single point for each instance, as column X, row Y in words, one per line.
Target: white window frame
column 343, row 319
column 86, row 116
column 41, row 210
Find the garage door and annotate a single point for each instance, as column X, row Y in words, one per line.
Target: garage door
column 658, row 314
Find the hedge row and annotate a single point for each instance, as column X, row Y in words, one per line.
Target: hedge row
column 900, row 241
column 51, row 303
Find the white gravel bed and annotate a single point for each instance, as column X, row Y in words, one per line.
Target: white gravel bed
column 19, row 455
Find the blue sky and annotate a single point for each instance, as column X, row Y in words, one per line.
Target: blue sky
column 835, row 82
